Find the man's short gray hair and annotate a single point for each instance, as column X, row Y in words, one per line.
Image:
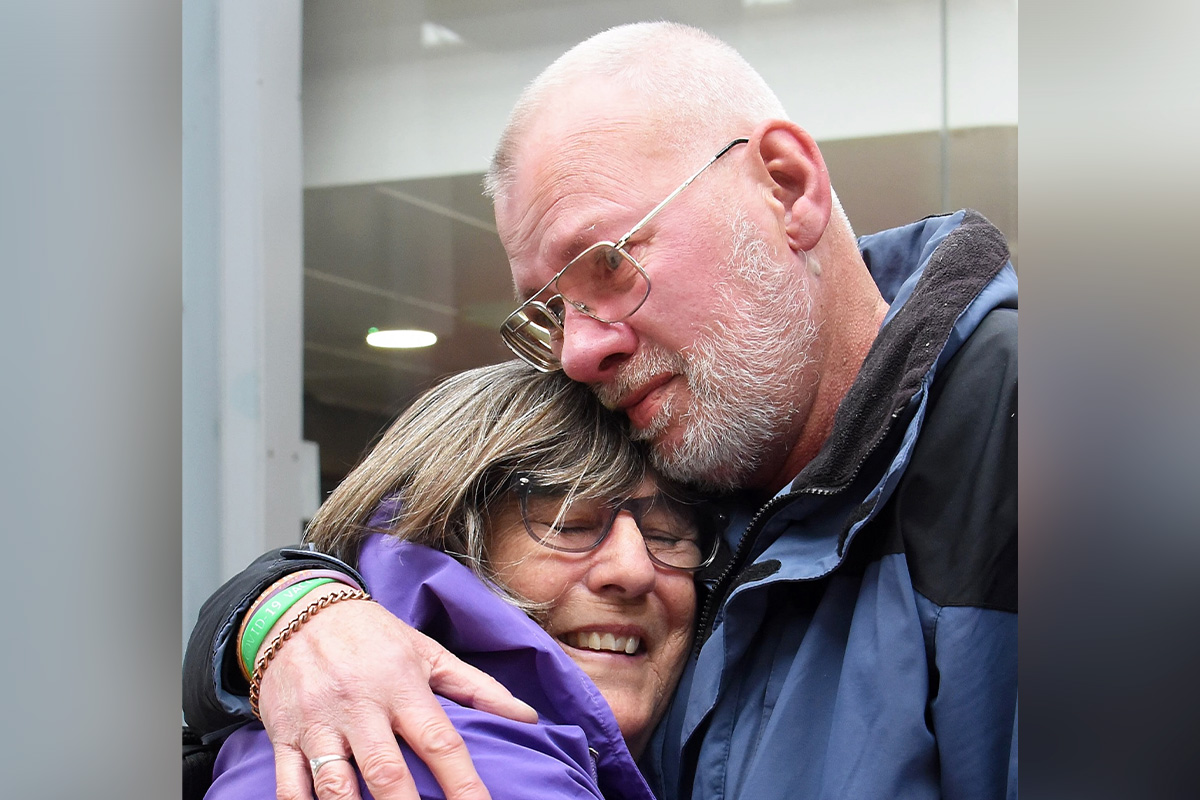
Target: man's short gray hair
column 700, row 91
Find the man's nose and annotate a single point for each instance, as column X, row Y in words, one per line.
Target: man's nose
column 591, row 351
column 621, row 563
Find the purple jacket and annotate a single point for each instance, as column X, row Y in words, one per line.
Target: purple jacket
column 443, row 599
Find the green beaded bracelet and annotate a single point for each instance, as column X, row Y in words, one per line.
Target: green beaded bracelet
column 266, row 615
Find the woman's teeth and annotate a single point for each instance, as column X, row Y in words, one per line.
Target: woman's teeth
column 605, row 642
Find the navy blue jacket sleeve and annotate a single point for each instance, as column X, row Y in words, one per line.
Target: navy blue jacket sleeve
column 214, row 691
column 961, row 541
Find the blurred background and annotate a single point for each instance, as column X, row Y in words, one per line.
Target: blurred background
column 332, row 162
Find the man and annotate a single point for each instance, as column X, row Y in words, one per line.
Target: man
column 856, row 399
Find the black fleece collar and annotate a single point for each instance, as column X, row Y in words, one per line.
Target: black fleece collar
column 905, row 350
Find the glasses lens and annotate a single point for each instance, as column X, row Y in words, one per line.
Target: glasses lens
column 671, row 530
column 604, row 283
column 573, row 528
column 534, row 332
column 673, row 536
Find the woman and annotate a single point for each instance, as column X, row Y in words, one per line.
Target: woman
column 503, row 482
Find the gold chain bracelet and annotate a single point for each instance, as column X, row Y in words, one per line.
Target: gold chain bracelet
column 273, row 648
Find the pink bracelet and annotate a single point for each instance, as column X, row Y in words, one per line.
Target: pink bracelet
column 282, row 585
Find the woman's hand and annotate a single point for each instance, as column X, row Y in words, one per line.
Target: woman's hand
column 351, row 679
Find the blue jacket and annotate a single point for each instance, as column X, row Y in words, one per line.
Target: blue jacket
column 863, row 643
column 551, row 759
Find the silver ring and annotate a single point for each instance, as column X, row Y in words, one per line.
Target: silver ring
column 317, row 763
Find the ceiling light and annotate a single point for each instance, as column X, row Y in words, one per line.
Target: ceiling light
column 434, row 35
column 399, row 338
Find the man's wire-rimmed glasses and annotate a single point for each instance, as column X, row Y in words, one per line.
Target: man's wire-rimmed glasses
column 604, row 281
column 673, row 532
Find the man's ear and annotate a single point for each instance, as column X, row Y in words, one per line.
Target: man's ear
column 797, row 179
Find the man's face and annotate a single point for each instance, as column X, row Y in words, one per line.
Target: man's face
column 740, row 378
column 711, row 368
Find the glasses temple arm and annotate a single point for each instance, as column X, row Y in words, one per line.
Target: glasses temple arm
column 625, row 239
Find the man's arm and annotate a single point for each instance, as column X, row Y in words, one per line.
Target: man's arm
column 974, row 711
column 959, row 497
column 215, row 693
column 348, row 681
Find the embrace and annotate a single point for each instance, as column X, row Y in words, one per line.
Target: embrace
column 740, row 523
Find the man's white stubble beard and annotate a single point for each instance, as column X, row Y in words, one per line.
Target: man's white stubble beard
column 742, row 372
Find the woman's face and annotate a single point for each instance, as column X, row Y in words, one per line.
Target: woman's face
column 626, row 621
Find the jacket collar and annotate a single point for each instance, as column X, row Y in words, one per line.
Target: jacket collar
column 957, row 256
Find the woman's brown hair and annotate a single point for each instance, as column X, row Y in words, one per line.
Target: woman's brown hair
column 457, row 449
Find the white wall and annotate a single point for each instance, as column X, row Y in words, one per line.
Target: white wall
column 248, row 478
column 842, row 72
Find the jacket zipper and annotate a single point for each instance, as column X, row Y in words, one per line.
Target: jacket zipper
column 720, row 589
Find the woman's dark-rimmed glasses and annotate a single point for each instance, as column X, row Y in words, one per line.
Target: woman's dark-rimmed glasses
column 672, row 531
